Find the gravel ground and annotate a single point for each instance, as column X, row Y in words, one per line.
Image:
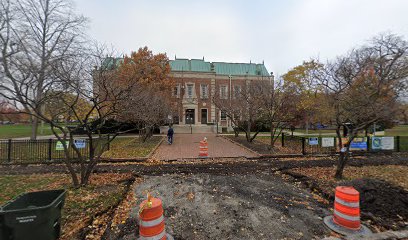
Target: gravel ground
column 253, row 206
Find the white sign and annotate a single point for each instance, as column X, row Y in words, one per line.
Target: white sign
column 328, row 142
column 79, row 143
column 387, row 143
column 59, row 146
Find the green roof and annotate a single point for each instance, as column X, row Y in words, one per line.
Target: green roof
column 220, row 68
column 111, row 62
column 199, row 65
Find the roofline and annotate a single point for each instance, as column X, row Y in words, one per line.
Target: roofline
column 214, row 73
column 241, row 63
column 188, row 59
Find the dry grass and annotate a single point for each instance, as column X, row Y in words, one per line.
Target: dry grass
column 131, row 147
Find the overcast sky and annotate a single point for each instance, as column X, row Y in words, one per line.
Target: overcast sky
column 282, row 33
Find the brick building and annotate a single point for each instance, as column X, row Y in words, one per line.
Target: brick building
column 198, row 81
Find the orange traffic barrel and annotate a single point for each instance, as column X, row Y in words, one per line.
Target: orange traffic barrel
column 203, row 148
column 151, row 224
column 346, row 214
column 347, row 207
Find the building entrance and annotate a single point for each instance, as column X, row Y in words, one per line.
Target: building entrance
column 203, row 116
column 190, row 116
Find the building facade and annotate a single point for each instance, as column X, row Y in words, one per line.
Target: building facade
column 198, row 81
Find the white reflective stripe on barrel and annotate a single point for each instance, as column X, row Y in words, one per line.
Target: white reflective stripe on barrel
column 157, row 237
column 152, row 223
column 347, row 204
column 347, row 217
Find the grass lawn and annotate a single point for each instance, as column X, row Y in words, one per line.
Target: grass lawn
column 21, row 130
column 317, row 132
column 400, row 130
column 81, row 205
column 133, row 147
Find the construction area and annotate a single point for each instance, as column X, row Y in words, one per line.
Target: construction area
column 242, row 195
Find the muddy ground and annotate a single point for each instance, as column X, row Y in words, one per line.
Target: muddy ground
column 233, row 206
column 237, row 198
column 218, row 165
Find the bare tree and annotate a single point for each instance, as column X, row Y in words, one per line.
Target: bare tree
column 77, row 80
column 277, row 107
column 245, row 109
column 37, row 35
column 363, row 87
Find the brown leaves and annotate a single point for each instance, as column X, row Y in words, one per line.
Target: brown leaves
column 190, row 196
column 81, row 205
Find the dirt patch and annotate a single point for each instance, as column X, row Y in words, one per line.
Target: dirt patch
column 253, row 206
column 383, row 203
column 217, row 165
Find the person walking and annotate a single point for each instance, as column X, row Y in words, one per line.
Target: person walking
column 170, row 133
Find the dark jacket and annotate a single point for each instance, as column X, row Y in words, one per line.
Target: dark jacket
column 170, row 132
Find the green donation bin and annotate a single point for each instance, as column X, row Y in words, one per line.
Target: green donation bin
column 34, row 215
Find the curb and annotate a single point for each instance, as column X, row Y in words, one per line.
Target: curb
column 154, row 149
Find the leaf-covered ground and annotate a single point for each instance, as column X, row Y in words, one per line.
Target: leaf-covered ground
column 394, row 174
column 383, row 191
column 104, row 192
column 131, row 147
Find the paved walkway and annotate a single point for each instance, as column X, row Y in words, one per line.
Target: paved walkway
column 187, row 146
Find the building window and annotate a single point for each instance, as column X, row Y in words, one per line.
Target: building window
column 224, row 92
column 204, row 91
column 176, row 91
column 223, row 115
column 237, row 91
column 190, row 90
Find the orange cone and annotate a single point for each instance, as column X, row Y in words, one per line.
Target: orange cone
column 346, row 216
column 203, row 148
column 151, row 225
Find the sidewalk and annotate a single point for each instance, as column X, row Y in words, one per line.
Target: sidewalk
column 187, row 146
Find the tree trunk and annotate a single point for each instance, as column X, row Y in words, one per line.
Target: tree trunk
column 340, row 165
column 272, row 141
column 344, row 157
column 147, row 134
column 236, row 131
column 34, row 128
column 248, row 132
column 307, row 125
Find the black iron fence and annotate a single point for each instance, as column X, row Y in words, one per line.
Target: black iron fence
column 330, row 145
column 46, row 150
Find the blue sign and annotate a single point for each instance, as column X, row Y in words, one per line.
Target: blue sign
column 358, row 145
column 79, row 143
column 313, row 141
